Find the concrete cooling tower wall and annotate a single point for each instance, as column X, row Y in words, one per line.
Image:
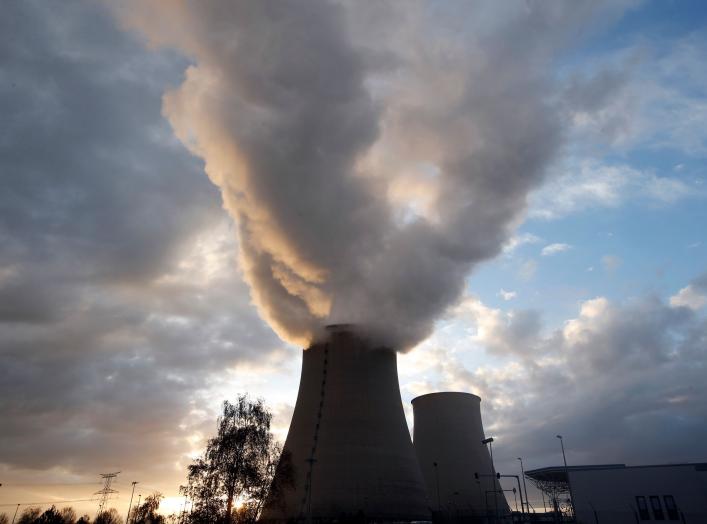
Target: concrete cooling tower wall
column 448, row 432
column 348, row 442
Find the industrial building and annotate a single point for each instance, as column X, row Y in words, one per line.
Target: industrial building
column 457, row 467
column 617, row 494
column 349, row 448
column 348, row 442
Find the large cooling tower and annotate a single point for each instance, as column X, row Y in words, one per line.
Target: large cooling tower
column 348, row 441
column 447, row 436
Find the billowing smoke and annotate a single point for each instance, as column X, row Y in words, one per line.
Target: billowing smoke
column 371, row 154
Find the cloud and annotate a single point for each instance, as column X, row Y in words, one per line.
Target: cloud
column 507, row 295
column 498, row 331
column 622, row 382
column 144, row 358
column 519, row 240
column 119, row 295
column 590, row 185
column 688, row 297
column 692, row 296
column 647, row 94
column 310, row 131
column 553, row 249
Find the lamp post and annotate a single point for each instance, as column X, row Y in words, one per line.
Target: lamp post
column 525, row 488
column 567, row 473
column 127, row 518
column 484, row 442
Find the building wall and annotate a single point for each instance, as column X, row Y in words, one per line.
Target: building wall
column 349, row 417
column 609, row 496
column 448, row 431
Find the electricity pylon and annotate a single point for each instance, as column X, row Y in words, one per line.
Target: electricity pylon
column 107, row 491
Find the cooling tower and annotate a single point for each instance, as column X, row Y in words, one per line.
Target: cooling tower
column 447, row 436
column 348, row 442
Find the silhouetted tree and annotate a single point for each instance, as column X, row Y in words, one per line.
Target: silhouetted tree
column 84, row 520
column 51, row 516
column 239, row 463
column 29, row 516
column 146, row 513
column 65, row 515
column 4, row 519
column 68, row 515
column 108, row 517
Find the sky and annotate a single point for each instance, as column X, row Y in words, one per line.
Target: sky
column 513, row 195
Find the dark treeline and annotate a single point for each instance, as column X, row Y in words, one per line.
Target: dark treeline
column 66, row 515
column 145, row 513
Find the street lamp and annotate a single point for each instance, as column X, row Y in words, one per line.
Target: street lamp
column 525, row 488
column 484, row 442
column 567, row 474
column 127, row 519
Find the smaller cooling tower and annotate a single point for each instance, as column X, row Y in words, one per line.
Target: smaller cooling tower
column 348, row 443
column 447, row 439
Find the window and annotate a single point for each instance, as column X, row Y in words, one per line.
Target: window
column 657, row 508
column 671, row 508
column 642, row 508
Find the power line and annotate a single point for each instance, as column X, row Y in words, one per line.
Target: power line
column 47, row 502
column 34, row 484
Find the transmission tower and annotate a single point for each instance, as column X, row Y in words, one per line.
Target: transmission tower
column 107, row 491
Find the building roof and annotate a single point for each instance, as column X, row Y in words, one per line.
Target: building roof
column 558, row 473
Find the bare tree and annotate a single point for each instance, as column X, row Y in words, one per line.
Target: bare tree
column 4, row 519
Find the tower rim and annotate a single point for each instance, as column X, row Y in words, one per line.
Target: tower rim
column 446, row 394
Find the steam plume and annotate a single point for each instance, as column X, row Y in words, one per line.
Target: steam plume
column 371, row 154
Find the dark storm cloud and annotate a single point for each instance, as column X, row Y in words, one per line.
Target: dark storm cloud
column 81, row 134
column 293, row 120
column 105, row 336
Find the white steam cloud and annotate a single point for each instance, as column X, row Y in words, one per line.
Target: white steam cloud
column 371, row 153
